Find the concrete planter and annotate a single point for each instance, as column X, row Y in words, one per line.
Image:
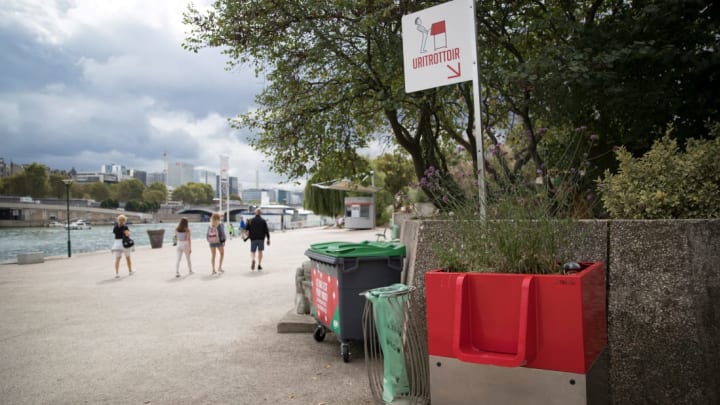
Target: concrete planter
column 156, row 237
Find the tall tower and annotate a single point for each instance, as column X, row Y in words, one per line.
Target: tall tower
column 165, row 169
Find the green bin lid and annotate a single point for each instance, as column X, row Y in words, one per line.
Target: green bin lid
column 362, row 249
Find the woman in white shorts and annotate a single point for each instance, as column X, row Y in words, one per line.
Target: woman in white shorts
column 120, row 230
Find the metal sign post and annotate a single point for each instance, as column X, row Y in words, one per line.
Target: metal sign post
column 224, row 183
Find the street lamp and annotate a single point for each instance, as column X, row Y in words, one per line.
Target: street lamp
column 68, row 182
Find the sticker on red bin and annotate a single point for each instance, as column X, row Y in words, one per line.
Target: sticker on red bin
column 325, row 298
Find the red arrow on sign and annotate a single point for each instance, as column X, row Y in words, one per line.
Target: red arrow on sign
column 457, row 72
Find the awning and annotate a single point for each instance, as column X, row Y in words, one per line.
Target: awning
column 346, row 185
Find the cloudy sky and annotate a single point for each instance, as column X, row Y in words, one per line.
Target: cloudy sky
column 91, row 82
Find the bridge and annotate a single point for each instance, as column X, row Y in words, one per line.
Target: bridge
column 205, row 211
column 40, row 213
column 26, row 212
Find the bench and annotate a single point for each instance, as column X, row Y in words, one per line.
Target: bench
column 30, row 258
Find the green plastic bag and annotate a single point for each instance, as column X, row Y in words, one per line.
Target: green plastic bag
column 389, row 305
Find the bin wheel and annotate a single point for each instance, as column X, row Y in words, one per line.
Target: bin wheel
column 319, row 334
column 345, row 352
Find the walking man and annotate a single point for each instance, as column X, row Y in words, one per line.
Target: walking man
column 257, row 231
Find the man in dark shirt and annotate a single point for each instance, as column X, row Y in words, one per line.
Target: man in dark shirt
column 257, row 232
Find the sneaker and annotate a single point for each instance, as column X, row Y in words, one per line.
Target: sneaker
column 221, row 271
column 190, row 272
column 252, row 266
column 177, row 275
column 259, row 267
column 130, row 273
column 117, row 276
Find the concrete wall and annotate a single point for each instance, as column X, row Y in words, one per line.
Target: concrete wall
column 31, row 215
column 663, row 302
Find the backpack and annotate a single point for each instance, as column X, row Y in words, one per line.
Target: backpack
column 212, row 235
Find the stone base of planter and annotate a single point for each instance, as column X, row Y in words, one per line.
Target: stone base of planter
column 456, row 382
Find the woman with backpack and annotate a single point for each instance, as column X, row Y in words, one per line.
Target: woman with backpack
column 216, row 238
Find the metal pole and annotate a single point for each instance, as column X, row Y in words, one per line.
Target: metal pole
column 67, row 188
column 478, row 121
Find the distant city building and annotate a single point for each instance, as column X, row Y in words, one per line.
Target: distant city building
column 203, row 176
column 179, row 173
column 255, row 195
column 95, row 177
column 289, row 197
column 10, row 169
column 140, row 175
column 154, row 178
column 233, row 184
column 235, row 187
column 116, row 169
column 283, row 197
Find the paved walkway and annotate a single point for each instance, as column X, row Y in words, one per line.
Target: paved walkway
column 70, row 333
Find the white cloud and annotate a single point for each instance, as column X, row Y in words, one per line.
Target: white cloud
column 59, row 21
column 123, row 90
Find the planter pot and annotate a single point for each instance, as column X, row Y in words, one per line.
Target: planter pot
column 549, row 322
column 156, row 237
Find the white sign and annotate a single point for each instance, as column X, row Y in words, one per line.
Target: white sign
column 439, row 45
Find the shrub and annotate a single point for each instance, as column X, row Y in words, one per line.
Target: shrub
column 666, row 182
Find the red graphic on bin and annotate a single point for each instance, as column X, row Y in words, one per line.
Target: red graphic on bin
column 325, row 296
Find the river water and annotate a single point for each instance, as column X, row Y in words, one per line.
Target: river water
column 53, row 241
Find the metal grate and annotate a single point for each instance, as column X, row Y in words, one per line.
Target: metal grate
column 395, row 355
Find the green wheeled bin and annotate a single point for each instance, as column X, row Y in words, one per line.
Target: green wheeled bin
column 340, row 272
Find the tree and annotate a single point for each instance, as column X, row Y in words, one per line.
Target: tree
column 315, row 110
column 131, row 189
column 329, row 203
column 621, row 70
column 56, row 186
column 397, row 170
column 323, row 201
column 194, row 193
column 160, row 187
column 154, row 197
column 109, row 203
column 33, row 181
column 624, row 70
column 98, row 191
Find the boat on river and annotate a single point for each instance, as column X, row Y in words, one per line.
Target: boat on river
column 80, row 224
